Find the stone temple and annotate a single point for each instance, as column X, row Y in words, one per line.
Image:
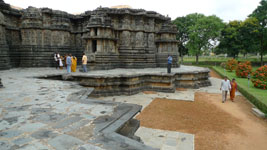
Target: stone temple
column 111, row 38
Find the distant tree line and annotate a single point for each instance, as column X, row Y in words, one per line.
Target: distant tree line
column 199, row 34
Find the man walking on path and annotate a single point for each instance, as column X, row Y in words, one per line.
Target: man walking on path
column 169, row 63
column 68, row 62
column 225, row 87
column 84, row 62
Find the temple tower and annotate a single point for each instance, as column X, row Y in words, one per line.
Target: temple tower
column 167, row 45
column 101, row 41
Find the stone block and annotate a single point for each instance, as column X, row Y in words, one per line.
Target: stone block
column 258, row 113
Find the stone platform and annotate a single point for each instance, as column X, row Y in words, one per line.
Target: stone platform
column 132, row 81
column 58, row 115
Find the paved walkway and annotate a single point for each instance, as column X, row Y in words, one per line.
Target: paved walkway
column 166, row 140
column 36, row 115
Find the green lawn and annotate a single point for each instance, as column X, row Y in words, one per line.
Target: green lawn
column 257, row 96
column 220, row 59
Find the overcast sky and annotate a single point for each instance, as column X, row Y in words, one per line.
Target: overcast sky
column 225, row 9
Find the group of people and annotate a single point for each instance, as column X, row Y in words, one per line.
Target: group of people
column 226, row 86
column 70, row 62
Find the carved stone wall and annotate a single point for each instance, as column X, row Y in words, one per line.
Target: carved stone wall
column 4, row 49
column 111, row 38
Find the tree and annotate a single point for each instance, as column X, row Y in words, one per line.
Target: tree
column 261, row 14
column 203, row 32
column 249, row 35
column 230, row 41
column 182, row 35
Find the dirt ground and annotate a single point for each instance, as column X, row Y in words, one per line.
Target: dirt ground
column 214, row 74
column 181, row 89
column 149, row 92
column 216, row 125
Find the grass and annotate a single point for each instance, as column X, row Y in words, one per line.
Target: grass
column 257, row 96
column 220, row 59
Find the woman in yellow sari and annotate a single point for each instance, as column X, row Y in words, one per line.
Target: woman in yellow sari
column 233, row 89
column 73, row 64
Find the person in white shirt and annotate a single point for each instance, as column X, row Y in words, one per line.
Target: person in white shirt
column 225, row 87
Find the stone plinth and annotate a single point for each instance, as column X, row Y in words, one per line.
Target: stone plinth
column 133, row 81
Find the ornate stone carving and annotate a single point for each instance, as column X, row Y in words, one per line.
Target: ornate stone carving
column 132, row 38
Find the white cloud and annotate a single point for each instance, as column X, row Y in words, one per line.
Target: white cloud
column 225, row 9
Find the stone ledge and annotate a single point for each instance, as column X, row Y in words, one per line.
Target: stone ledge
column 129, row 83
column 258, row 113
column 106, row 127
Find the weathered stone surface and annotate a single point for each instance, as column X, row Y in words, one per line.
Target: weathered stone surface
column 22, row 141
column 64, row 142
column 4, row 145
column 44, row 134
column 10, row 133
column 1, row 84
column 111, row 38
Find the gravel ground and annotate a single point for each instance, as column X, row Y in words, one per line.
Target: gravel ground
column 216, row 125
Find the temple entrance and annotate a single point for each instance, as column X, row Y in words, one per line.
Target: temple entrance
column 94, row 46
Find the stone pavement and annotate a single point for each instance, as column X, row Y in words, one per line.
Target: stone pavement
column 36, row 115
column 166, row 140
column 45, row 114
column 145, row 99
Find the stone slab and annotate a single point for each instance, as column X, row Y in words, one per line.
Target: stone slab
column 64, row 142
column 166, row 140
column 31, row 127
column 10, row 133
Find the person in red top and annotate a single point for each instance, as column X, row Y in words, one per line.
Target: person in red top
column 233, row 89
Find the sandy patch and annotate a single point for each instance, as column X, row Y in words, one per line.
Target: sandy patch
column 149, row 92
column 216, row 125
column 214, row 74
column 181, row 89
